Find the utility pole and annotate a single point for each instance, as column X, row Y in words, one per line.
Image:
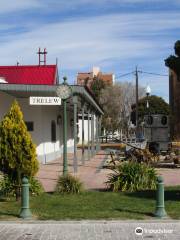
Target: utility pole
column 137, row 122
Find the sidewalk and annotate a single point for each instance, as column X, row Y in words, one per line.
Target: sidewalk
column 91, row 230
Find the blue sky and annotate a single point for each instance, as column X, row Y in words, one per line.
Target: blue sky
column 115, row 35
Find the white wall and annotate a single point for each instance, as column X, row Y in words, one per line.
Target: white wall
column 70, row 142
column 86, row 130
column 42, row 117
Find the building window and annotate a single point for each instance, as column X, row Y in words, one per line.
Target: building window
column 53, row 131
column 30, row 126
column 164, row 120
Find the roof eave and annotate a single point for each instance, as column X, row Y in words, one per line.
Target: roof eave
column 23, row 90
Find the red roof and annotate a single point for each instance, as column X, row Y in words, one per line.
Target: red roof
column 29, row 74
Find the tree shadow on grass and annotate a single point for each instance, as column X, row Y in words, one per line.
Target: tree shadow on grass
column 3, row 200
column 8, row 214
column 99, row 190
column 149, row 194
column 169, row 195
column 149, row 214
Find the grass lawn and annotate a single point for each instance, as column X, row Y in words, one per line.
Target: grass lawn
column 94, row 205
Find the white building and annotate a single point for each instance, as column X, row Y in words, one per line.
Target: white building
column 45, row 123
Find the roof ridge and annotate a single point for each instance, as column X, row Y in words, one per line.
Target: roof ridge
column 21, row 66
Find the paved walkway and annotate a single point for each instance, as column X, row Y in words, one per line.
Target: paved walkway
column 91, row 230
column 171, row 176
column 91, row 173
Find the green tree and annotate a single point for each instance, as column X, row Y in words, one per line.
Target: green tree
column 157, row 105
column 96, row 86
column 110, row 99
column 17, row 151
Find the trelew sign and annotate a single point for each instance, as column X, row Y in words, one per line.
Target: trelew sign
column 45, row 101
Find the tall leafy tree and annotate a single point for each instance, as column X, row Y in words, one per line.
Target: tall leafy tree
column 157, row 105
column 96, row 86
column 116, row 101
column 17, row 151
column 110, row 99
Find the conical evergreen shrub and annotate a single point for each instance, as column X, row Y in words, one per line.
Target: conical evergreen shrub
column 17, row 152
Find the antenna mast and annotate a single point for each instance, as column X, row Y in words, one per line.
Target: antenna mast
column 42, row 53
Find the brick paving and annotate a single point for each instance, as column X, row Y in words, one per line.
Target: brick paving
column 90, row 230
column 171, row 176
column 91, row 173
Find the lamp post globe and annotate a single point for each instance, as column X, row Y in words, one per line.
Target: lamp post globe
column 148, row 90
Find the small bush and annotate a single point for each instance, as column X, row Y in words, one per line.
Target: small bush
column 69, row 184
column 7, row 187
column 35, row 187
column 132, row 176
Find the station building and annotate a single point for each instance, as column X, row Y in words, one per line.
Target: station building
column 44, row 122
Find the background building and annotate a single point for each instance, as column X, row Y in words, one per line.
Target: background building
column 86, row 78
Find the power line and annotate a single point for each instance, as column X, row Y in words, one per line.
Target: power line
column 150, row 73
column 158, row 74
column 123, row 75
